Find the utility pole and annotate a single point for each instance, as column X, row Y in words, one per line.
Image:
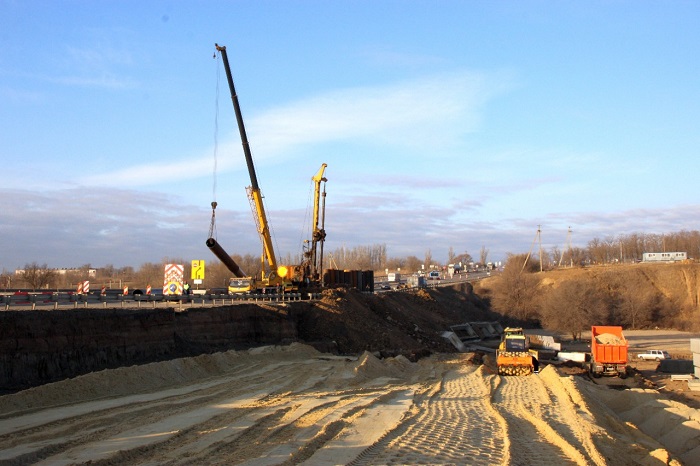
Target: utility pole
column 622, row 259
column 539, row 236
column 571, row 254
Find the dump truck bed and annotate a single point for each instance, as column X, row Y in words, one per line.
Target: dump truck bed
column 608, row 345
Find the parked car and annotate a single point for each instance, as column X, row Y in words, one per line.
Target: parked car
column 654, row 355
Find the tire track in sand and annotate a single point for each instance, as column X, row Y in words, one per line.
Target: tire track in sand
column 456, row 424
column 101, row 430
column 535, row 438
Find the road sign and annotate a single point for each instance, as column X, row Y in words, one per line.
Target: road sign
column 197, row 270
column 173, row 279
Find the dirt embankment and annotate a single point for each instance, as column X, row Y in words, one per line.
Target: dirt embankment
column 38, row 347
column 671, row 292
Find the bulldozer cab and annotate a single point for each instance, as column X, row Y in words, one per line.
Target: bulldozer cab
column 515, row 343
column 513, row 356
column 514, row 339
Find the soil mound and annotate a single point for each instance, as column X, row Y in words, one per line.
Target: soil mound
column 409, row 323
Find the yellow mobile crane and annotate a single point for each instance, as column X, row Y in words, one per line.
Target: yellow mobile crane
column 276, row 276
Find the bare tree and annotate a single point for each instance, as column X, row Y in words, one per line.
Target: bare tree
column 483, row 255
column 596, row 249
column 149, row 274
column 37, row 276
column 573, row 307
column 556, row 255
column 465, row 259
column 6, row 280
column 636, row 308
column 516, row 291
column 428, row 258
column 413, row 264
column 396, row 263
column 578, row 256
column 451, row 255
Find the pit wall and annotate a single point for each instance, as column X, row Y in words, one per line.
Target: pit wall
column 38, row 347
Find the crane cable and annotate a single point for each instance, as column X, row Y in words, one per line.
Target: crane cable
column 212, row 225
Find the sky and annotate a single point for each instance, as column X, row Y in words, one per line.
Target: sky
column 445, row 125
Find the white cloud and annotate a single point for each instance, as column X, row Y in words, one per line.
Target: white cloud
column 391, row 114
column 425, row 111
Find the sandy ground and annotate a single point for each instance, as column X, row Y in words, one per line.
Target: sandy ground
column 293, row 405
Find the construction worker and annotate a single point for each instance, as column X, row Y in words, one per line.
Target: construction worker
column 187, row 288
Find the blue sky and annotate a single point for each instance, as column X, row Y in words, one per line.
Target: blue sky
column 443, row 123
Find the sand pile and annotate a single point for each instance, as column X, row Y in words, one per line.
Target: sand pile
column 609, row 339
column 673, row 424
column 288, row 405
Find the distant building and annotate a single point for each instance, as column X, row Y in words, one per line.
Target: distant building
column 664, row 256
column 91, row 272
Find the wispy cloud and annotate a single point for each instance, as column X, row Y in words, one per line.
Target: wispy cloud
column 107, row 63
column 396, row 114
column 105, row 81
column 423, row 112
column 169, row 170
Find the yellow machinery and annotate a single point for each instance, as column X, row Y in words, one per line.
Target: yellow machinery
column 273, row 276
column 513, row 356
column 313, row 257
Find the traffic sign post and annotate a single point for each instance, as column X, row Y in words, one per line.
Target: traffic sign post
column 198, row 271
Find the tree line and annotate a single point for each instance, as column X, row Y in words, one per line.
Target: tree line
column 625, row 248
column 572, row 306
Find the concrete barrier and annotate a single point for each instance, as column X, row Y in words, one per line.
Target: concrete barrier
column 676, row 366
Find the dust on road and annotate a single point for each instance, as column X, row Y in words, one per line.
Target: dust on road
column 293, row 405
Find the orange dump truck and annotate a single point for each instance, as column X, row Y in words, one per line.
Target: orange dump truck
column 608, row 351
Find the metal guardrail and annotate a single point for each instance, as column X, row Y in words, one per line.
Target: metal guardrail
column 73, row 300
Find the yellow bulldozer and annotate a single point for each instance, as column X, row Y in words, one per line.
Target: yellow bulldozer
column 514, row 357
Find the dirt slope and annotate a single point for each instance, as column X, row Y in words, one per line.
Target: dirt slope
column 41, row 346
column 409, row 323
column 293, row 405
column 676, row 284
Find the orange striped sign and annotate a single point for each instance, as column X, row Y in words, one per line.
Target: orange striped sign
column 173, row 279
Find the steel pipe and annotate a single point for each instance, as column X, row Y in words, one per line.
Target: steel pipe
column 219, row 252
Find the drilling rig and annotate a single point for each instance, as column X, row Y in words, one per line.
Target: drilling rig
column 313, row 255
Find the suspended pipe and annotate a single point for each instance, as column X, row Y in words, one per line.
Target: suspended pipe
column 219, row 252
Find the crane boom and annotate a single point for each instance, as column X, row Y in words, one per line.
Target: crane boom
column 254, row 190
